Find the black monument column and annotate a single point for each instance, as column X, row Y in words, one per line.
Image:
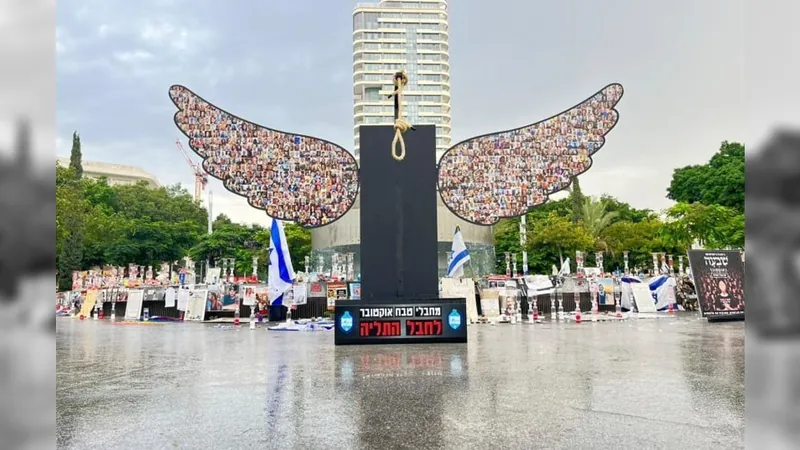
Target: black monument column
column 399, row 265
column 398, row 215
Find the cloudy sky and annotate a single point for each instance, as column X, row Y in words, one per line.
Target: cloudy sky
column 288, row 64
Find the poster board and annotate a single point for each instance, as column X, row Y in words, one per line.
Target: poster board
column 317, row 289
column 719, row 280
column 490, row 302
column 196, row 310
column 223, row 297
column 605, row 291
column 88, row 303
column 643, row 296
column 354, row 290
column 462, row 288
column 134, row 309
column 300, row 294
column 154, row 294
column 336, row 291
column 248, row 294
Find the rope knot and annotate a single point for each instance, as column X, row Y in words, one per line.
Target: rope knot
column 400, row 81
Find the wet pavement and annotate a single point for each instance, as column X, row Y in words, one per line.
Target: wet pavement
column 655, row 384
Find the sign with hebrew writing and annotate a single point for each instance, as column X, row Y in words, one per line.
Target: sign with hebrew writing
column 435, row 320
column 719, row 280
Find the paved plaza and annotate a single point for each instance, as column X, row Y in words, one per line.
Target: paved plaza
column 651, row 383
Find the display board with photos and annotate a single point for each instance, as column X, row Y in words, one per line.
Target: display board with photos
column 196, row 309
column 336, row 291
column 154, row 294
column 222, row 297
column 354, row 290
column 506, row 174
column 300, row 294
column 317, row 289
column 719, row 281
column 302, row 179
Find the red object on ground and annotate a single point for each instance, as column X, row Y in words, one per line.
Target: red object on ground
column 578, row 316
column 671, row 309
column 100, row 315
column 82, row 317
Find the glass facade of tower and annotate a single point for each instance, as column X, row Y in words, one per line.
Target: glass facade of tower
column 413, row 36
column 390, row 36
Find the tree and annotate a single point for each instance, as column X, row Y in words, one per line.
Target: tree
column 560, row 233
column 595, row 219
column 577, row 199
column 639, row 239
column 75, row 157
column 721, row 181
column 299, row 241
column 711, row 226
column 506, row 237
column 232, row 240
column 624, row 211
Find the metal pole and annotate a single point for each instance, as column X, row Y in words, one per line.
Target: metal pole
column 523, row 242
column 210, row 230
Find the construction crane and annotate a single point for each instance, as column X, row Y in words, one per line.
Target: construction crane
column 200, row 177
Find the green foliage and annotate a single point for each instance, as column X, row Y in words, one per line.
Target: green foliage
column 299, row 240
column 639, row 239
column 75, row 156
column 242, row 242
column 712, row 226
column 624, row 211
column 577, row 200
column 540, row 257
column 562, row 235
column 720, row 181
column 98, row 224
column 595, row 218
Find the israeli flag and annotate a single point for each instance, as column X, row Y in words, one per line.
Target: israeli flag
column 660, row 287
column 455, row 268
column 281, row 275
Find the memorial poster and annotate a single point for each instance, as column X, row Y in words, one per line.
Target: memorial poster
column 719, row 280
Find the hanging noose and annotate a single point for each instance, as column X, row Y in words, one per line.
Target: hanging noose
column 400, row 125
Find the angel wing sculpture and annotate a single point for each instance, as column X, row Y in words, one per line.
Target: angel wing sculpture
column 292, row 177
column 506, row 174
column 314, row 182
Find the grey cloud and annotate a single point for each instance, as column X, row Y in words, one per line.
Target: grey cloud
column 288, row 65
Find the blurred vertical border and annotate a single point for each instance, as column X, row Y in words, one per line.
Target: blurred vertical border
column 772, row 212
column 27, row 223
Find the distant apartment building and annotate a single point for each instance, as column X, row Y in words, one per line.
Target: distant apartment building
column 390, row 36
column 116, row 174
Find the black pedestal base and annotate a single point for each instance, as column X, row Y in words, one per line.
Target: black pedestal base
column 401, row 321
column 725, row 317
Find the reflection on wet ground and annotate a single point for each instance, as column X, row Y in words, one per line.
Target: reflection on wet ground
column 647, row 384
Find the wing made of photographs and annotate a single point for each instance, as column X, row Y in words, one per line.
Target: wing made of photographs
column 292, row 177
column 507, row 174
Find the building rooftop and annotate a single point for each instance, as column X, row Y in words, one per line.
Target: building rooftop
column 112, row 170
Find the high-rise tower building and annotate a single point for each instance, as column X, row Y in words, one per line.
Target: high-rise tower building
column 402, row 35
column 389, row 36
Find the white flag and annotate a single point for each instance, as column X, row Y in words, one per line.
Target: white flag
column 281, row 276
column 455, row 267
column 564, row 268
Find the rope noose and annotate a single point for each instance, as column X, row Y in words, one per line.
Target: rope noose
column 400, row 124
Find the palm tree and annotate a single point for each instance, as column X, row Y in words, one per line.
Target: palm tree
column 596, row 219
